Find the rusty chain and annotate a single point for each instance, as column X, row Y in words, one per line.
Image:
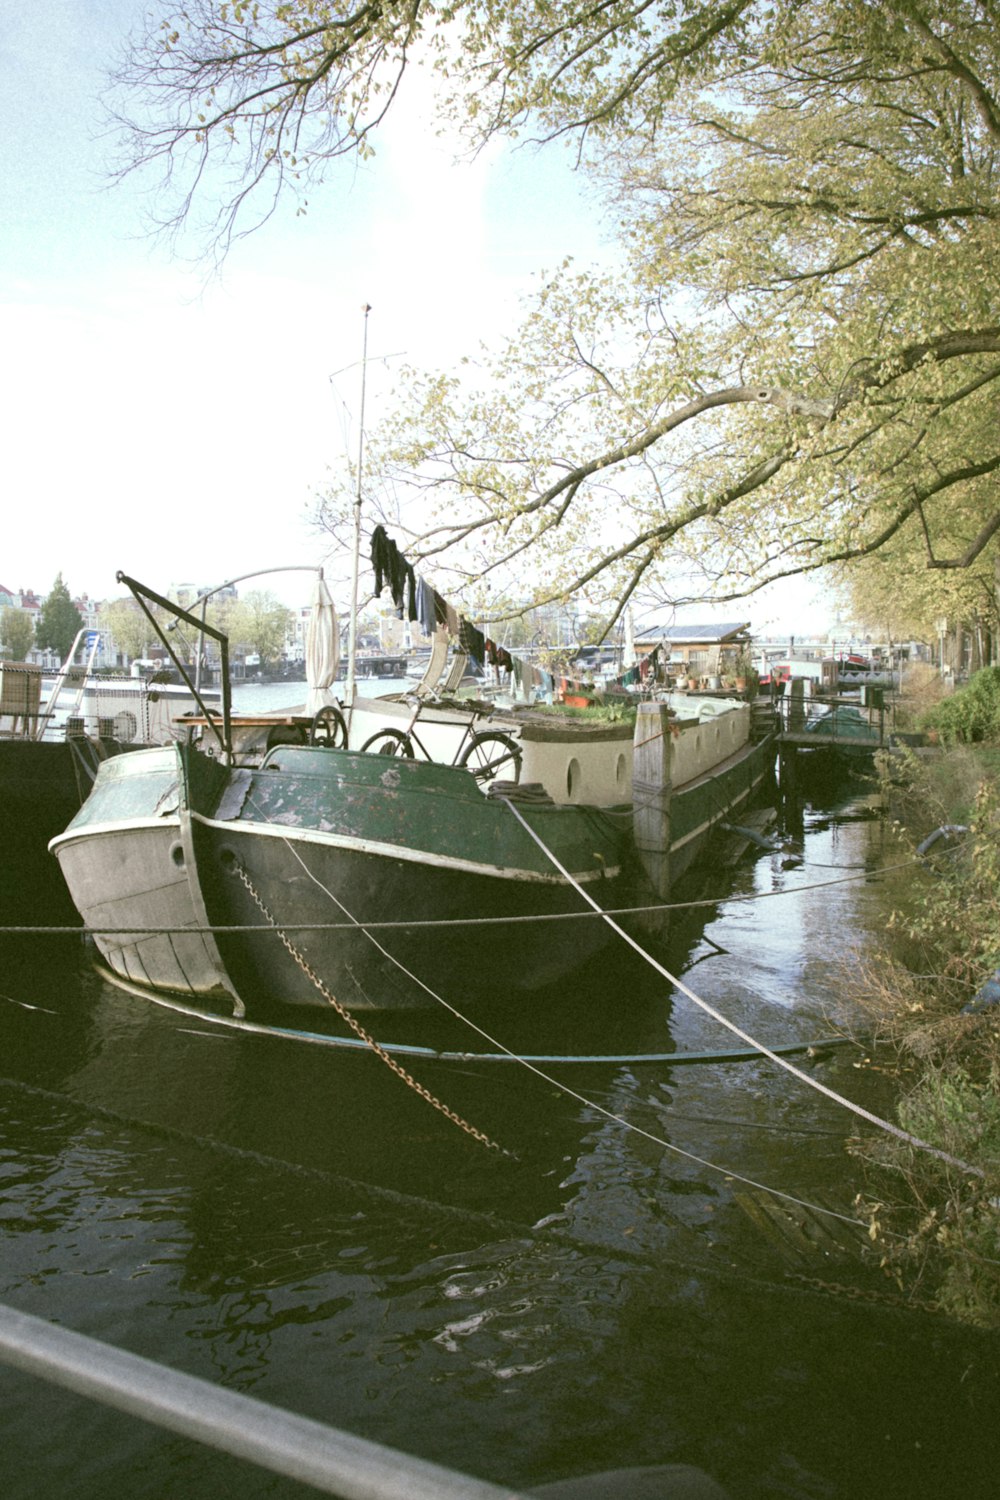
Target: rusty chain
column 862, row 1294
column 356, row 1026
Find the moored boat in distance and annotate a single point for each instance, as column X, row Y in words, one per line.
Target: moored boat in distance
column 385, row 667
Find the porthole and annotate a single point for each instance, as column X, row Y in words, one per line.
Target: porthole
column 125, row 727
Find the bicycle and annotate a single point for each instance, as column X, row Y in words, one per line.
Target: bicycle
column 488, row 754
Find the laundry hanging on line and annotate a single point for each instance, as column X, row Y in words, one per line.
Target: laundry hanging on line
column 416, row 599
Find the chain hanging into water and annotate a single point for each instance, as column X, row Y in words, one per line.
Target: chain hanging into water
column 357, row 1028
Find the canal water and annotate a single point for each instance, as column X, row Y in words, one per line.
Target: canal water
column 663, row 1265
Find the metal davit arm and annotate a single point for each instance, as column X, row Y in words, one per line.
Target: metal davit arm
column 141, row 594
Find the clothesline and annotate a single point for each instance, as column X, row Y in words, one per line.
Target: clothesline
column 642, row 671
column 416, row 599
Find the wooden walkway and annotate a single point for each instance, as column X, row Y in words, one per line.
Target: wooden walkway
column 814, row 740
column 845, row 724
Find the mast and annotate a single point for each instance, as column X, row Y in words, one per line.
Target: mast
column 352, row 635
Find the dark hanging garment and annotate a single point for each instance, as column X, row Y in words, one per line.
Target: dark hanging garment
column 498, row 656
column 472, row 641
column 381, row 557
column 412, row 611
column 392, row 568
column 397, row 577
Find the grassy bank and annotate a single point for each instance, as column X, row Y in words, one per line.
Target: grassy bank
column 936, row 1227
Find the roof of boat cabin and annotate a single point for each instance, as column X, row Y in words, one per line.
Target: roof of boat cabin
column 690, row 635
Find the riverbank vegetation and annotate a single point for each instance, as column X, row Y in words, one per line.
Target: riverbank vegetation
column 930, row 997
column 971, row 716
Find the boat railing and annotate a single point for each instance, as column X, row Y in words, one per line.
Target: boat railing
column 47, row 714
column 865, row 720
column 327, row 1459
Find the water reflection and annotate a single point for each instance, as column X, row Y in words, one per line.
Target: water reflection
column 297, row 1223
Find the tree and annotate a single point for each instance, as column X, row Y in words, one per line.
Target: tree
column 262, row 623
column 891, row 597
column 16, row 633
column 795, row 368
column 127, row 626
column 59, row 622
column 238, row 103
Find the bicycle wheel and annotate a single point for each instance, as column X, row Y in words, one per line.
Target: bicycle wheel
column 329, row 728
column 389, row 742
column 491, row 755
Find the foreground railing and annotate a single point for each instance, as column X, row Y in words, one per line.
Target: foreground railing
column 335, row 1462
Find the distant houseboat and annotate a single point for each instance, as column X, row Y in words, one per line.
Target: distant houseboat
column 381, row 666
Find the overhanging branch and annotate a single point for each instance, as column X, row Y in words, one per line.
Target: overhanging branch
column 971, row 552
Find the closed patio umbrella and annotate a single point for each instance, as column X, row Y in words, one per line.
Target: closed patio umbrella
column 322, row 649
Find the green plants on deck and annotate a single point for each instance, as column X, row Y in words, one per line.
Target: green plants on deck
column 604, row 711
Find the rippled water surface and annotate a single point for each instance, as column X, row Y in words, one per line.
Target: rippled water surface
column 294, row 1223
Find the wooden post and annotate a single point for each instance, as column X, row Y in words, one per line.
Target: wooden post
column 651, row 788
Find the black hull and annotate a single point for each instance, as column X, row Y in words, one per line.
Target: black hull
column 43, row 785
column 491, row 954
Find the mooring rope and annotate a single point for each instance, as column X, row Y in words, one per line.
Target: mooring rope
column 813, row 1083
column 597, row 913
column 572, row 1093
column 443, row 1055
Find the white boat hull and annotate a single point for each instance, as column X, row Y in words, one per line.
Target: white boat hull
column 126, row 881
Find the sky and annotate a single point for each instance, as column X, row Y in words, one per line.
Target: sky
column 178, row 426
